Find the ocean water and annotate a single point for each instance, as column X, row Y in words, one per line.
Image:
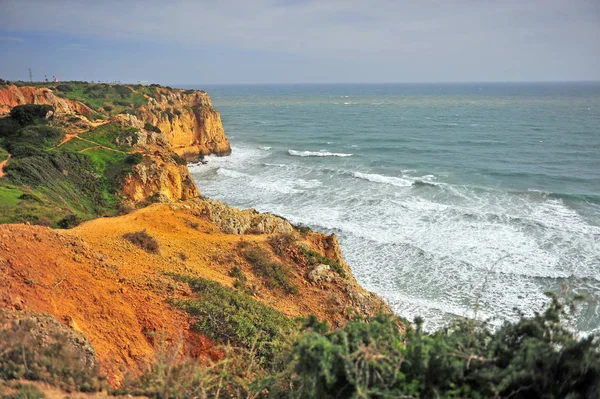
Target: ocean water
column 448, row 199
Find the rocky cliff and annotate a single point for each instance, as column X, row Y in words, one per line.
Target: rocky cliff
column 11, row 96
column 188, row 120
column 169, row 126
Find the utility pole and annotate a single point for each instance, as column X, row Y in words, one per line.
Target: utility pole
column 30, row 76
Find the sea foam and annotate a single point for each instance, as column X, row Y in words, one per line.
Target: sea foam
column 375, row 178
column 321, row 153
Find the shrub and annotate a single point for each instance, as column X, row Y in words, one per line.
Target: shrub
column 281, row 243
column 108, row 108
column 27, row 352
column 123, row 91
column 69, row 222
column 190, row 223
column 41, row 135
column 230, row 316
column 533, row 358
column 274, row 274
column 143, row 240
column 28, row 114
column 64, row 88
column 170, row 376
column 151, row 128
column 302, row 228
column 179, row 160
column 8, row 127
column 25, row 391
column 316, row 258
column 134, row 159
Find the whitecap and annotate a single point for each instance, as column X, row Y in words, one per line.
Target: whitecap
column 265, row 148
column 375, row 178
column 317, row 154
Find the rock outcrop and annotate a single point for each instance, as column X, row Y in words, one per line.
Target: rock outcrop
column 188, row 120
column 159, row 179
column 11, row 96
column 171, row 121
column 234, row 221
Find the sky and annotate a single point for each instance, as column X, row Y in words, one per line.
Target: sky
column 301, row 41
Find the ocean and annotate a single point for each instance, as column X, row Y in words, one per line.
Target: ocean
column 449, row 200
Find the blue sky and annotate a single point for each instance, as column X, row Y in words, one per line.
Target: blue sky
column 269, row 41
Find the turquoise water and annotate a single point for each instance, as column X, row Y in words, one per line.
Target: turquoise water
column 444, row 196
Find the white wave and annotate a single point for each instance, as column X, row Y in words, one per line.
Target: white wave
column 231, row 173
column 277, row 165
column 321, row 153
column 265, row 148
column 375, row 178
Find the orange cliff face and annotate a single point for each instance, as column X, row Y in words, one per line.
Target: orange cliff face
column 11, row 96
column 91, row 279
column 188, row 120
column 190, row 124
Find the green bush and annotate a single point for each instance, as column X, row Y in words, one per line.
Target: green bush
column 534, row 358
column 230, row 316
column 25, row 391
column 9, row 127
column 41, row 135
column 151, row 128
column 49, row 357
column 274, row 274
column 143, row 240
column 69, row 221
column 64, row 88
column 315, row 258
column 28, row 114
column 123, row 91
column 134, row 159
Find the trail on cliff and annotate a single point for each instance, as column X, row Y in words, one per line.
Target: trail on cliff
column 2, row 164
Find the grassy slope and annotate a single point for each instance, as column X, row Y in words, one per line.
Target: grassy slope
column 57, row 185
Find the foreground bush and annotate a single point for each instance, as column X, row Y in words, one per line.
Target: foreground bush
column 143, row 240
column 232, row 317
column 533, row 358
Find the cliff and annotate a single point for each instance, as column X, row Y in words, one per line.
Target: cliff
column 170, row 269
column 11, row 96
column 188, row 120
column 168, row 126
column 115, row 293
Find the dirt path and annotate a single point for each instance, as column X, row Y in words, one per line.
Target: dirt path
column 98, row 145
column 2, row 166
column 69, row 137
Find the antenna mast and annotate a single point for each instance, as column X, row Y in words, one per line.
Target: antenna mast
column 30, row 76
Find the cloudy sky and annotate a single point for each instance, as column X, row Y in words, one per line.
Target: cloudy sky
column 289, row 41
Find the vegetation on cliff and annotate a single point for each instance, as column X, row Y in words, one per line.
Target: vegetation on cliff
column 63, row 164
column 46, row 182
column 249, row 282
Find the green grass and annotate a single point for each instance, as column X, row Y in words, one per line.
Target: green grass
column 9, row 195
column 3, row 154
column 107, row 135
column 230, row 316
column 75, row 145
column 274, row 274
column 99, row 95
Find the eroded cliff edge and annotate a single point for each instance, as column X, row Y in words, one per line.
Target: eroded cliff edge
column 169, row 127
column 118, row 295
